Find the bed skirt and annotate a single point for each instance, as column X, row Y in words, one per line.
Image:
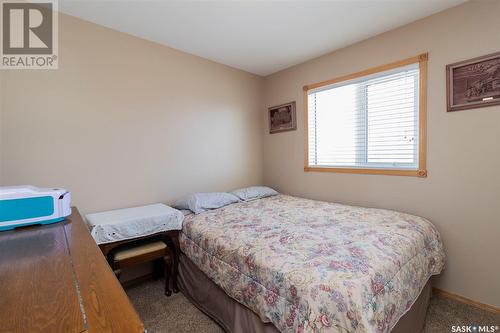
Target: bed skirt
column 236, row 318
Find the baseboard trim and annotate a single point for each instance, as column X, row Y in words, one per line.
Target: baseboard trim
column 465, row 300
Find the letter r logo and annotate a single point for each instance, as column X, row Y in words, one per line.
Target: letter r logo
column 27, row 28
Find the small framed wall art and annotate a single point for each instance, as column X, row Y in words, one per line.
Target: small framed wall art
column 473, row 83
column 282, row 118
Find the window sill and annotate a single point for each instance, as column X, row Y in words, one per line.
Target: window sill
column 391, row 172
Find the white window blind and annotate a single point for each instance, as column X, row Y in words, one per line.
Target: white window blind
column 369, row 122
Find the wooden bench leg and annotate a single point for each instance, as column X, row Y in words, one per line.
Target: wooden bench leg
column 175, row 253
column 168, row 270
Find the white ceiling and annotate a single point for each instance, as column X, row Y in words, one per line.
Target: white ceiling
column 261, row 37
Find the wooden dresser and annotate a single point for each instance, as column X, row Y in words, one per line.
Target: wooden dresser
column 54, row 278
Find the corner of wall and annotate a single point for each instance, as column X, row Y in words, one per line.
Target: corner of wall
column 263, row 128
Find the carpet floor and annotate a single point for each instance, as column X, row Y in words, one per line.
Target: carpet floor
column 175, row 314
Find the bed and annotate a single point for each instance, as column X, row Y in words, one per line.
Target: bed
column 290, row 264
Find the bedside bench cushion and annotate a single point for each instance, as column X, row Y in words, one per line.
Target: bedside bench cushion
column 129, row 223
column 135, row 251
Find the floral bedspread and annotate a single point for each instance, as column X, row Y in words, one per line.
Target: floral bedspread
column 312, row 266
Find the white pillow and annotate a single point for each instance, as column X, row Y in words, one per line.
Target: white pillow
column 254, row 192
column 201, row 202
column 186, row 212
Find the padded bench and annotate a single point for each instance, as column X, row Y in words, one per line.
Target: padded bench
column 135, row 254
column 135, row 235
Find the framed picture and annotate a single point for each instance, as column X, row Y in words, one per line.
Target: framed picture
column 282, row 118
column 473, row 83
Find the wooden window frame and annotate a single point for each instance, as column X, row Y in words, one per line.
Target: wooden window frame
column 422, row 113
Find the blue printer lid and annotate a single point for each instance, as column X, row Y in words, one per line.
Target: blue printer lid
column 26, row 208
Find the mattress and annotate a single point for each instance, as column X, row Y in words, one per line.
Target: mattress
column 234, row 317
column 311, row 266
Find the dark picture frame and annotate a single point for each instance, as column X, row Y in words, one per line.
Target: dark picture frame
column 282, row 118
column 473, row 83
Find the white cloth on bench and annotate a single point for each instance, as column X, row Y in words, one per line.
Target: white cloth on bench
column 123, row 224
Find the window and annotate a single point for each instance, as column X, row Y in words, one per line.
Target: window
column 369, row 122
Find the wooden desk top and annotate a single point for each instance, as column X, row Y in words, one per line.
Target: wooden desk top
column 54, row 278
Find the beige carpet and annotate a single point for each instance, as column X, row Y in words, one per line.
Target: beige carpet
column 176, row 314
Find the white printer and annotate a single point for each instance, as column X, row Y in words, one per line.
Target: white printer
column 27, row 205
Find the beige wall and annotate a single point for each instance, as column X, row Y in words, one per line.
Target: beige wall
column 461, row 195
column 124, row 122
